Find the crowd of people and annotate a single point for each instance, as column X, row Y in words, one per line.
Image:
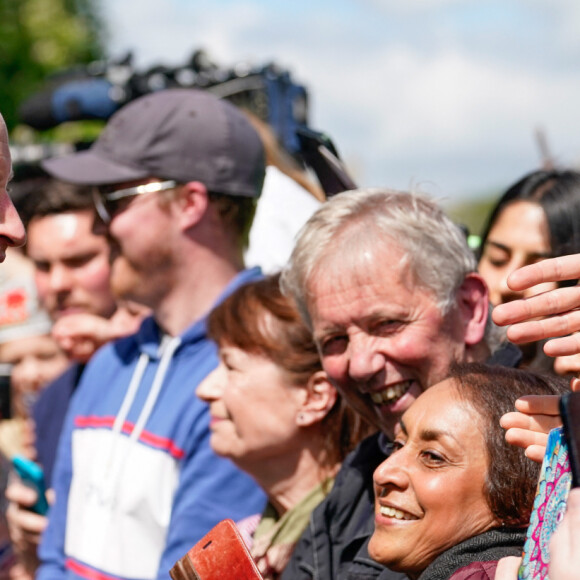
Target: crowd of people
column 351, row 400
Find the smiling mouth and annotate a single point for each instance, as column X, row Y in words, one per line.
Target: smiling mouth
column 390, row 512
column 391, row 394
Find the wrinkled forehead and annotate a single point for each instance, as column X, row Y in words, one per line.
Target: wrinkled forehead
column 356, row 258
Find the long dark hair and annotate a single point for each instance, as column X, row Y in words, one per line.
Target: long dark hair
column 558, row 194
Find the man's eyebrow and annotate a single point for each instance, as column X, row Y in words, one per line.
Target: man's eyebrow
column 328, row 331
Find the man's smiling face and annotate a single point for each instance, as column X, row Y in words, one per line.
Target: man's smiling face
column 382, row 338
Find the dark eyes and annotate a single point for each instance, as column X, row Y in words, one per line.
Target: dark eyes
column 428, row 457
column 42, row 266
column 397, row 445
column 386, row 327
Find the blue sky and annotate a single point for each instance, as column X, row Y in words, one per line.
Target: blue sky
column 444, row 95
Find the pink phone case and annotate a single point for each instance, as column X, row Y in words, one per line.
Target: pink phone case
column 549, row 507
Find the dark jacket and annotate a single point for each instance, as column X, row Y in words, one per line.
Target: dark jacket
column 334, row 546
column 49, row 412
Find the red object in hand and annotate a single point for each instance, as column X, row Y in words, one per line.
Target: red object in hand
column 220, row 555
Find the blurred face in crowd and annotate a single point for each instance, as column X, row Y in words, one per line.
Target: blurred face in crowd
column 382, row 338
column 11, row 228
column 35, row 360
column 518, row 237
column 71, row 263
column 253, row 407
column 429, row 493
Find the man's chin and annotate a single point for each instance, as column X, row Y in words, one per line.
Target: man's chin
column 125, row 282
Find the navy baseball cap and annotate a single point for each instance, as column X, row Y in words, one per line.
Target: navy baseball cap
column 179, row 134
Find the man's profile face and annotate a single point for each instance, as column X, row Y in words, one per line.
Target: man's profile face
column 382, row 338
column 71, row 263
column 11, row 229
column 141, row 237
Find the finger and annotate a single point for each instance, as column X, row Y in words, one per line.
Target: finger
column 21, row 494
column 539, row 405
column 536, row 453
column 29, row 523
column 558, row 301
column 552, row 270
column 537, row 423
column 565, row 346
column 565, row 365
column 552, row 326
column 525, row 438
column 575, row 384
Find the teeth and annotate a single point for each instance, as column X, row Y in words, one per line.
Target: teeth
column 395, row 513
column 390, row 394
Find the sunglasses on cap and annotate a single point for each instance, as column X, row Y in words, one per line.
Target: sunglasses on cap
column 109, row 202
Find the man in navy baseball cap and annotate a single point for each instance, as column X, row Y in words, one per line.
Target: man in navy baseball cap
column 177, row 174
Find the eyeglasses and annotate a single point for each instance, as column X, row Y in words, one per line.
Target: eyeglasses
column 109, row 202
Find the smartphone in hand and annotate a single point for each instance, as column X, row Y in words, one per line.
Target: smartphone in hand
column 32, row 475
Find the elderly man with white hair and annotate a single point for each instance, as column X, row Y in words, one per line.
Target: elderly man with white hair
column 389, row 287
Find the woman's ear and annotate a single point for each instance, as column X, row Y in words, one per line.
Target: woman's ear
column 319, row 400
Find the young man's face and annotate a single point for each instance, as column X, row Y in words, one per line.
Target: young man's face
column 140, row 233
column 72, row 264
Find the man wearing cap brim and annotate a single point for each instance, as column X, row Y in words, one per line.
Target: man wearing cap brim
column 178, row 173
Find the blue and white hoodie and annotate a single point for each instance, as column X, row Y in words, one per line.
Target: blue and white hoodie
column 136, row 481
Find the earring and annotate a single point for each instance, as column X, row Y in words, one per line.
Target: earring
column 300, row 418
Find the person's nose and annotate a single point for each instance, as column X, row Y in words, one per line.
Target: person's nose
column 392, row 472
column 365, row 358
column 11, row 227
column 60, row 278
column 211, row 388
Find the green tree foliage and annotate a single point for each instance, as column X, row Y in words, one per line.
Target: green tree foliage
column 40, row 37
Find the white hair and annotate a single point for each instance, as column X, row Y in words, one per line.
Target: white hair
column 434, row 248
